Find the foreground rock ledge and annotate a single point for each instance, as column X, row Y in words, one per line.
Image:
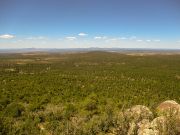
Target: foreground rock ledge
column 141, row 119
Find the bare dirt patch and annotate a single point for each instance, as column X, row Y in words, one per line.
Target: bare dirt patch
column 34, row 54
column 151, row 53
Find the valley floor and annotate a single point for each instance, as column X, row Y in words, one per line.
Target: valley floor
column 83, row 93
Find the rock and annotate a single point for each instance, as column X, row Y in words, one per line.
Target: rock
column 138, row 116
column 132, row 128
column 140, row 119
column 144, row 128
column 159, row 126
column 144, row 124
column 138, row 113
column 148, row 132
column 171, row 110
column 159, row 122
column 168, row 107
column 156, row 127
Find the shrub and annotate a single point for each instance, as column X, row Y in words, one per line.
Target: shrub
column 4, row 127
column 14, row 110
column 36, row 106
column 3, row 103
column 70, row 111
column 91, row 102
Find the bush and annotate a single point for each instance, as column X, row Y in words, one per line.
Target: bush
column 36, row 106
column 4, row 127
column 3, row 103
column 91, row 102
column 70, row 111
column 14, row 110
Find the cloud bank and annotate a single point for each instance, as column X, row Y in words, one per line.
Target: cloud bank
column 7, row 36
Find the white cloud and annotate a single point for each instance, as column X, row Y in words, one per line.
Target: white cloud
column 148, row 40
column 71, row 38
column 6, row 36
column 83, row 34
column 178, row 41
column 97, row 37
column 139, row 40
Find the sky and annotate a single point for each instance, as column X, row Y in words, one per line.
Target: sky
column 90, row 23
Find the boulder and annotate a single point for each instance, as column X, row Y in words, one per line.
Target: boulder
column 171, row 110
column 152, row 128
column 159, row 126
column 168, row 107
column 144, row 124
column 141, row 121
column 138, row 113
column 135, row 115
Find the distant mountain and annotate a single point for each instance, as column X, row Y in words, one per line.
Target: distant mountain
column 26, row 50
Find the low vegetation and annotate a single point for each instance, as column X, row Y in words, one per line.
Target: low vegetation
column 85, row 93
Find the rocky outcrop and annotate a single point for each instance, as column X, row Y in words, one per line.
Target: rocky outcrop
column 135, row 115
column 138, row 113
column 155, row 127
column 141, row 120
column 168, row 121
column 168, row 107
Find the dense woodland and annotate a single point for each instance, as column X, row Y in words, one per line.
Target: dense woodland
column 81, row 93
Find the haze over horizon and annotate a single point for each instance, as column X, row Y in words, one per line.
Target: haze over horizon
column 90, row 23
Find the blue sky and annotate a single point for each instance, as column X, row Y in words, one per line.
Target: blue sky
column 89, row 23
